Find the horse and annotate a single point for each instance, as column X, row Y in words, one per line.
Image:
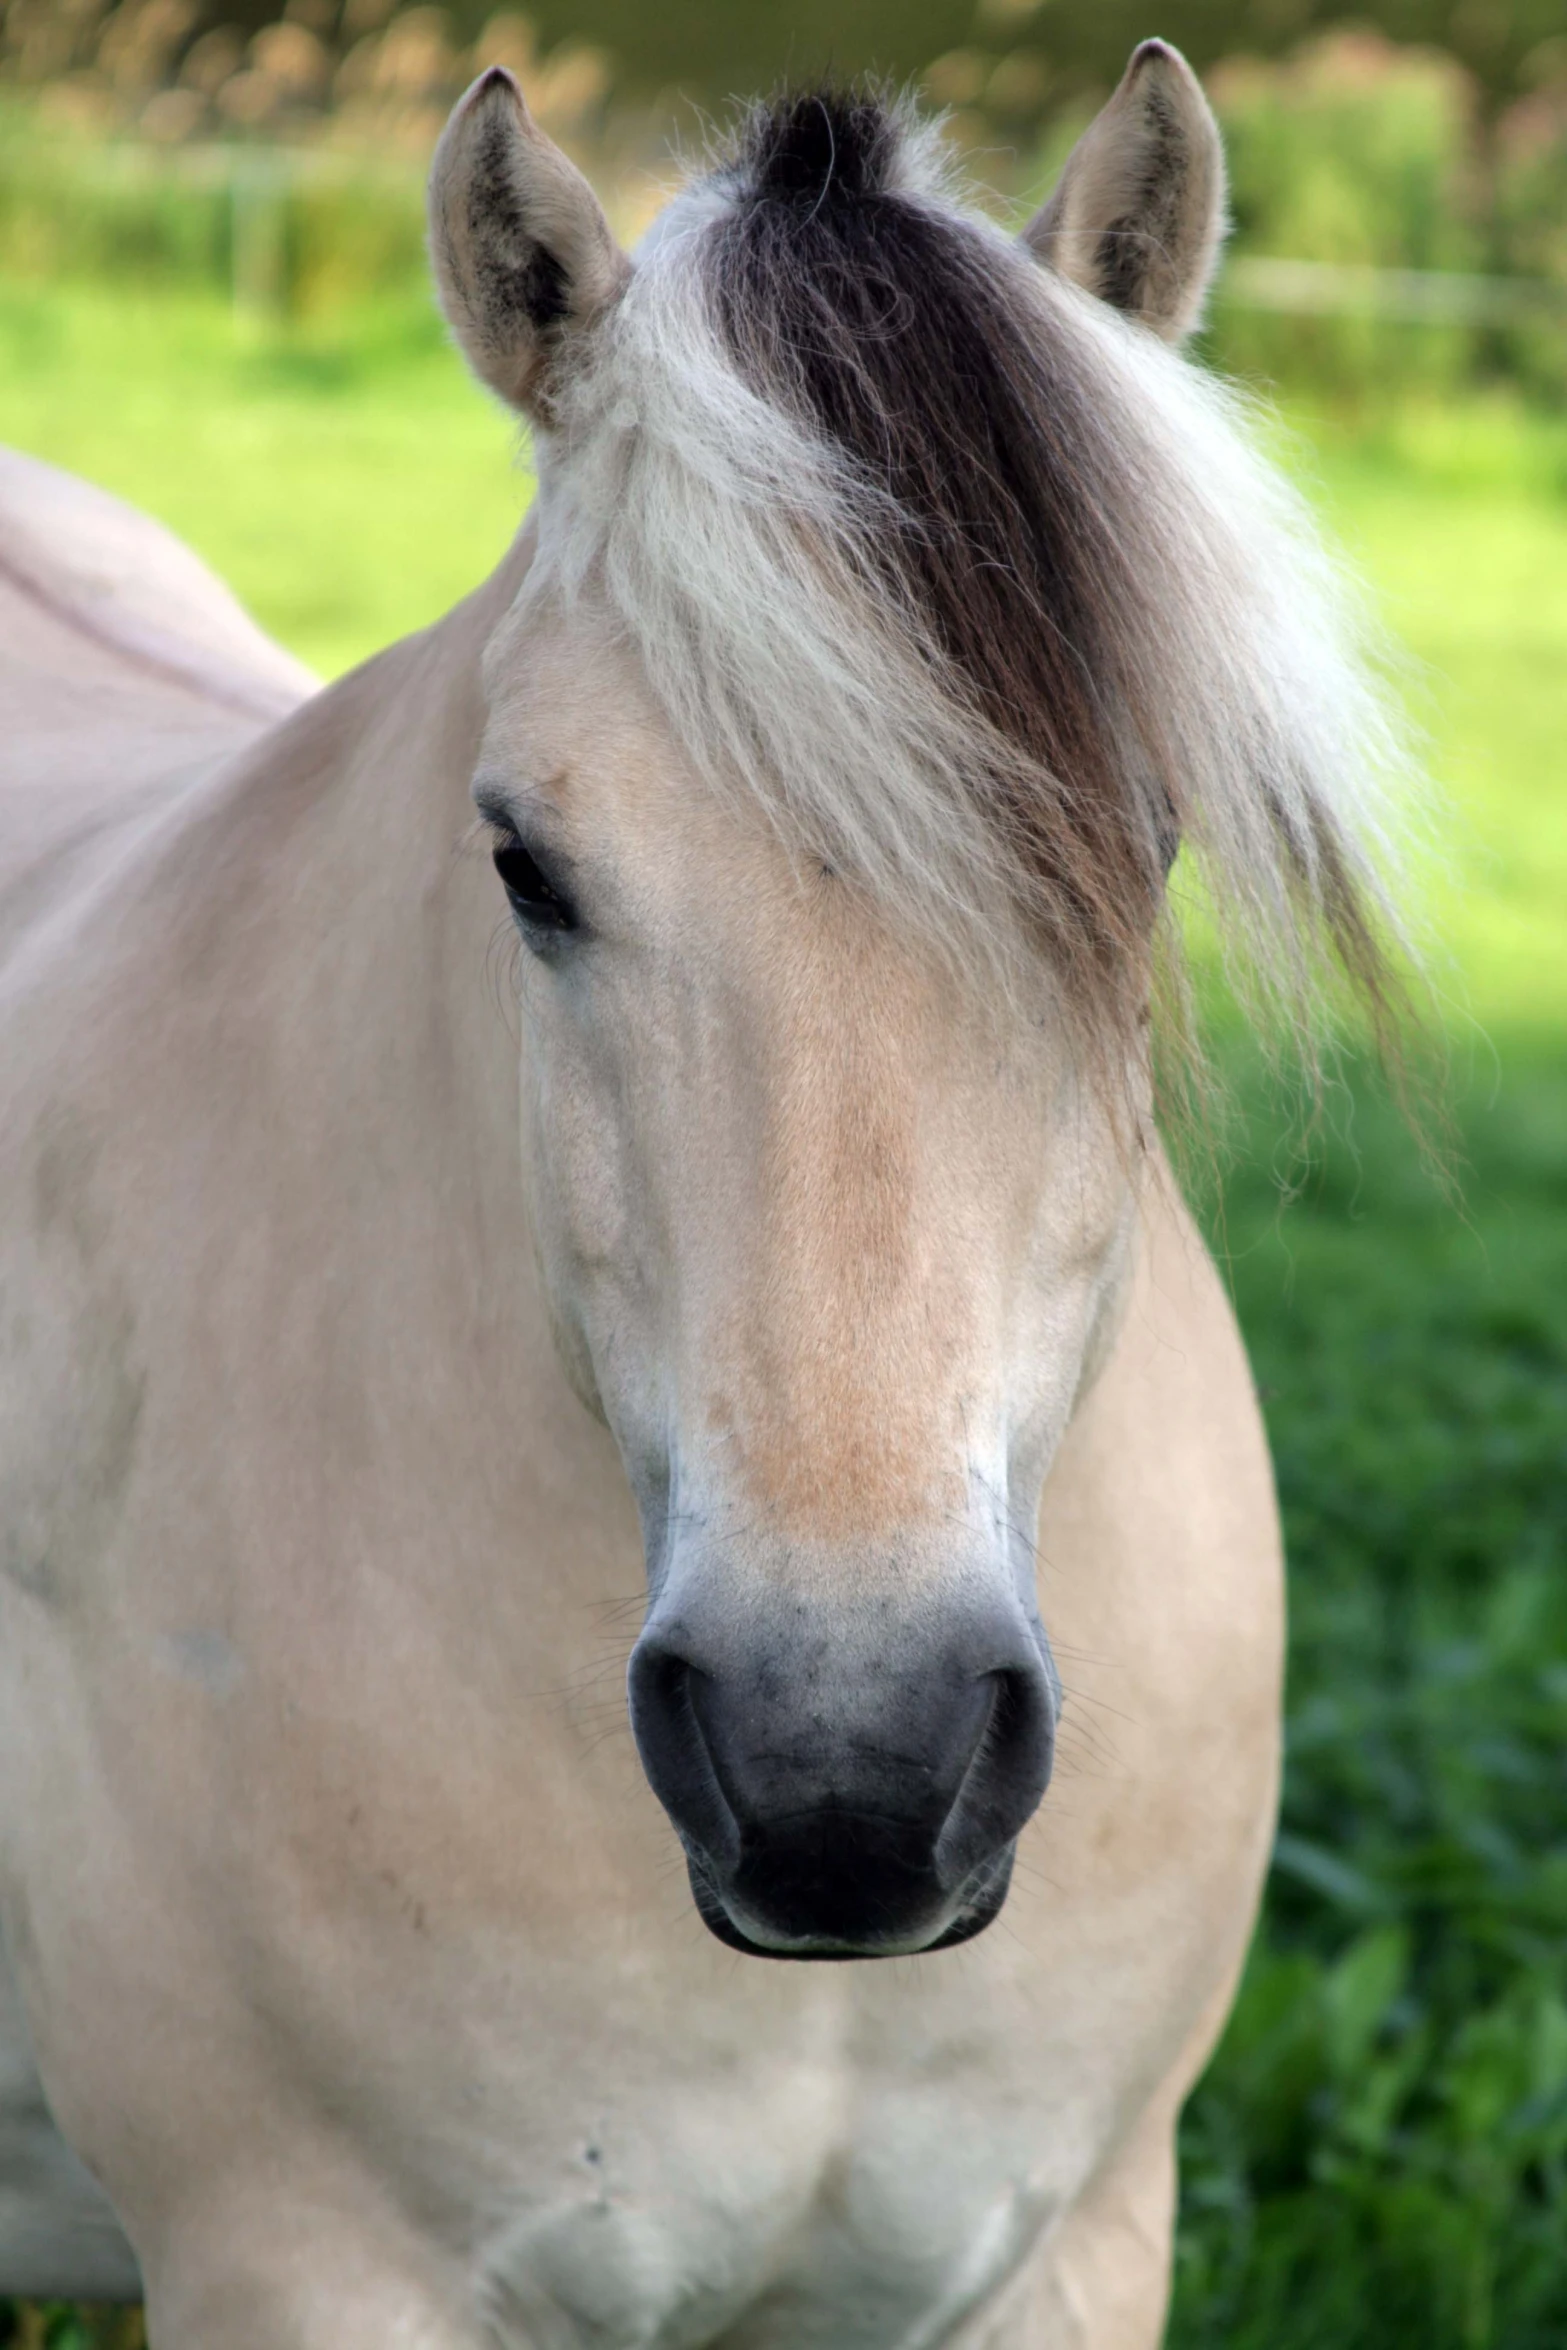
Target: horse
column 609, row 1160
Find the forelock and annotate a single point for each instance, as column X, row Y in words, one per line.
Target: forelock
column 965, row 584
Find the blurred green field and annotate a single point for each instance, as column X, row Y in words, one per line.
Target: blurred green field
column 1378, row 2156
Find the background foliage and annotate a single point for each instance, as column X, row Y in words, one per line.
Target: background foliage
column 1027, row 56
column 286, row 168
column 1378, row 2155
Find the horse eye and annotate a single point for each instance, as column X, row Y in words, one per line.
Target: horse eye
column 540, row 902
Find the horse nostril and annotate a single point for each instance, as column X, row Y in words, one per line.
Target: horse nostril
column 660, row 1677
column 674, row 1750
column 1021, row 1729
column 1007, row 1772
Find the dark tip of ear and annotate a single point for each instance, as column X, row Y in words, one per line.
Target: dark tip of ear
column 491, row 83
column 1147, row 52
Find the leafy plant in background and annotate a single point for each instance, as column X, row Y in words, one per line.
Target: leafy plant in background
column 288, row 166
column 177, row 69
column 1531, row 177
column 1378, row 2155
column 1019, row 58
column 1356, row 151
column 1529, row 215
column 286, row 162
column 57, row 2326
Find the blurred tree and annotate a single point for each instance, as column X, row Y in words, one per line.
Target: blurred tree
column 721, row 46
column 1014, row 63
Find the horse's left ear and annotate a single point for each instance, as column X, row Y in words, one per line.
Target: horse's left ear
column 1138, row 216
column 524, row 258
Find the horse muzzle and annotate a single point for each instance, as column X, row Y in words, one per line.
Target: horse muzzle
column 845, row 1798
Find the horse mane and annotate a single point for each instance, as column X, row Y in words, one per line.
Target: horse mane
column 981, row 594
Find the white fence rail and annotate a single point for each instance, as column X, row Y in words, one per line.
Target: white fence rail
column 258, row 182
column 1416, row 297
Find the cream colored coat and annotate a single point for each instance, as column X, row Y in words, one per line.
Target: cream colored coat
column 341, row 1933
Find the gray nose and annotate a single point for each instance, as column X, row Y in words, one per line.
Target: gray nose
column 841, row 1800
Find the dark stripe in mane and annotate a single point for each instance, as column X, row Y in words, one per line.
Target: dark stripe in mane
column 836, row 142
column 895, row 331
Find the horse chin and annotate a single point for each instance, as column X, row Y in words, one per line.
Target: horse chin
column 977, row 1906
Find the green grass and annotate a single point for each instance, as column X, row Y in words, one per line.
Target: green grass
column 1378, row 2156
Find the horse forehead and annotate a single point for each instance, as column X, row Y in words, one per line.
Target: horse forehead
column 561, row 690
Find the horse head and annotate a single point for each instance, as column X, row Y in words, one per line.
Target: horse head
column 896, row 608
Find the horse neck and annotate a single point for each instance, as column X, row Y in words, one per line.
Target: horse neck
column 325, row 881
column 316, row 953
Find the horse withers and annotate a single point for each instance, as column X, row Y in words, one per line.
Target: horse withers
column 897, row 605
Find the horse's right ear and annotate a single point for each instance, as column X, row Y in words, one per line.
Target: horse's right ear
column 524, row 258
column 1138, row 218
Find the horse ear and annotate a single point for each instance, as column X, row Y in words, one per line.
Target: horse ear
column 524, row 258
column 1138, row 216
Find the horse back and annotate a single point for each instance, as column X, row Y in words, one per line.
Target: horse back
column 124, row 664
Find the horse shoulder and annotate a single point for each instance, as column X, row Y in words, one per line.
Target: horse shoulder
column 1161, row 1571
column 58, row 2233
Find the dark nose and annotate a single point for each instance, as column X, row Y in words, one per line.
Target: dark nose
column 837, row 1801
